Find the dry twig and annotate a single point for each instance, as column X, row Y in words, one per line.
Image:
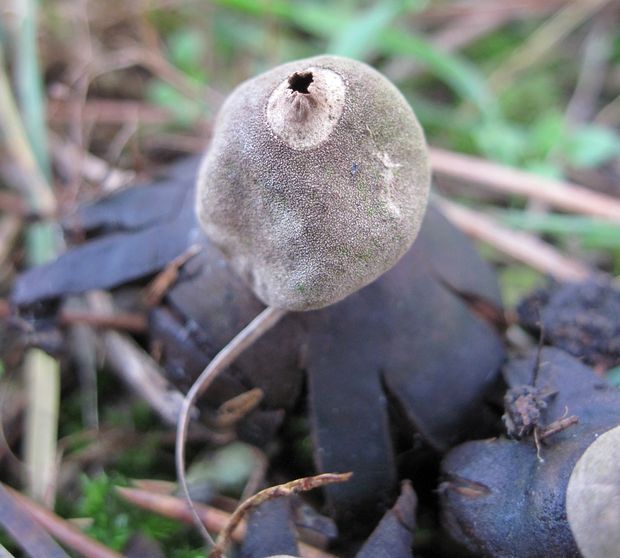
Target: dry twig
column 563, row 195
column 519, row 245
column 232, row 411
column 287, row 489
column 63, row 530
column 213, row 518
column 244, row 339
column 125, row 321
column 158, row 287
column 137, row 368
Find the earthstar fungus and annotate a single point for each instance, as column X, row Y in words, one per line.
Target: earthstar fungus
column 315, row 183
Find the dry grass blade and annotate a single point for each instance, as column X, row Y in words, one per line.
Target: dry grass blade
column 4, row 553
column 518, row 245
column 25, row 531
column 287, row 489
column 43, row 379
column 244, row 339
column 64, row 531
column 42, row 372
column 562, row 195
column 126, row 321
column 136, row 367
column 214, row 519
column 176, row 508
column 232, row 411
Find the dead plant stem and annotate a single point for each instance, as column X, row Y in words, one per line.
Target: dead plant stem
column 244, row 339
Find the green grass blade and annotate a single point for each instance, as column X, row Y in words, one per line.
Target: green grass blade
column 467, row 82
column 359, row 37
column 28, row 83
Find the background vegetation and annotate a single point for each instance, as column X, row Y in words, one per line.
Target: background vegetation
column 109, row 91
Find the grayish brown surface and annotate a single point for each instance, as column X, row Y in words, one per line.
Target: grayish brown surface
column 306, row 222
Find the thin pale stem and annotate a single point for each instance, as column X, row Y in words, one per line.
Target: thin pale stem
column 244, row 339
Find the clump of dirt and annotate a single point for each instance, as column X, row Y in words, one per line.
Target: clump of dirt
column 581, row 318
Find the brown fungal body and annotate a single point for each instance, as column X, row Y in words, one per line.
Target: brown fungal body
column 316, row 181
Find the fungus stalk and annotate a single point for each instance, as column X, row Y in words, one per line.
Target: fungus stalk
column 244, row 339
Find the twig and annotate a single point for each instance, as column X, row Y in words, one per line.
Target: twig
column 158, row 287
column 521, row 246
column 126, row 321
column 557, row 426
column 137, row 368
column 563, row 195
column 213, row 518
column 16, row 520
column 64, row 531
column 143, row 375
column 287, row 489
column 244, row 339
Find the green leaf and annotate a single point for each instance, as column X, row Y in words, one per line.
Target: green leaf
column 516, row 281
column 185, row 110
column 548, row 169
column 546, row 134
column 500, row 141
column 226, row 470
column 593, row 232
column 592, row 146
column 186, row 49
